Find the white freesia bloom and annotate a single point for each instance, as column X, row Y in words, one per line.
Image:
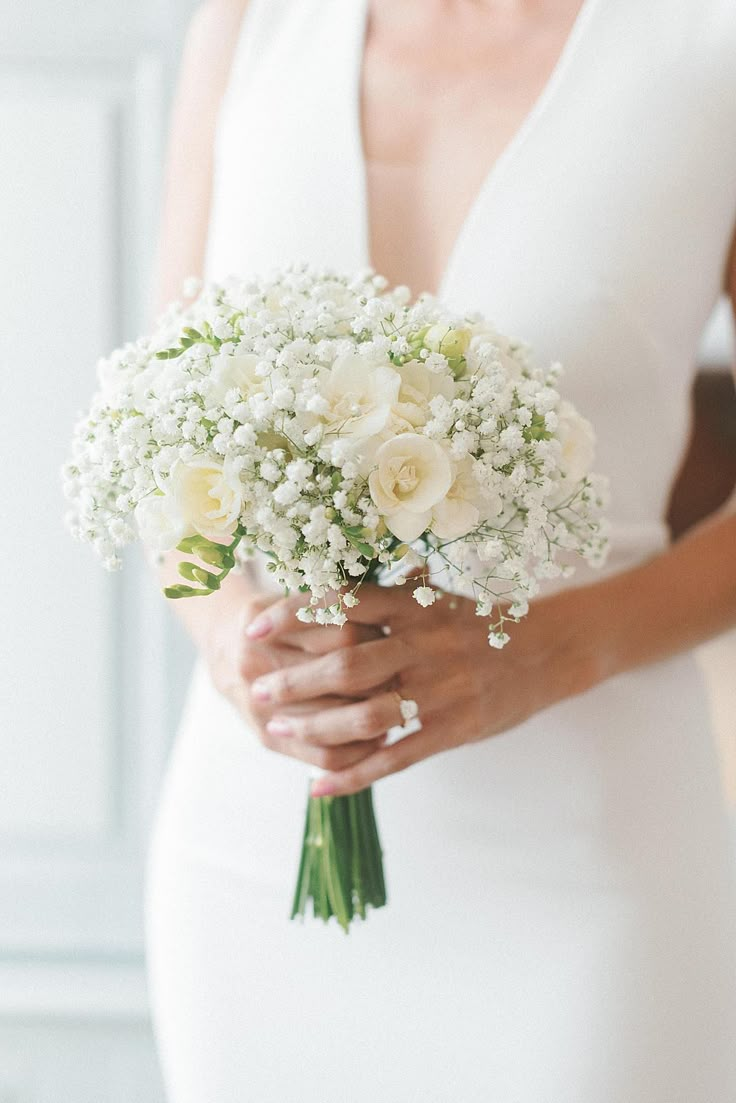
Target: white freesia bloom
column 160, row 525
column 359, row 396
column 577, row 438
column 509, row 354
column 459, row 512
column 234, row 372
column 158, row 379
column 412, row 474
column 207, row 496
column 418, row 387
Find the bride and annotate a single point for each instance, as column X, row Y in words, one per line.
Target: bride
column 561, row 925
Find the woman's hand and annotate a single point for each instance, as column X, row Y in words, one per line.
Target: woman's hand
column 438, row 657
column 235, row 659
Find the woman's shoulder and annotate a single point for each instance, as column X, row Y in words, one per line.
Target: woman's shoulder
column 210, row 43
column 230, row 35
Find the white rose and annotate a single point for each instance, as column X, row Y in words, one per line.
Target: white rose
column 160, row 524
column 412, row 474
column 208, row 496
column 237, row 371
column 577, row 438
column 359, row 395
column 418, row 387
column 460, row 511
column 483, row 334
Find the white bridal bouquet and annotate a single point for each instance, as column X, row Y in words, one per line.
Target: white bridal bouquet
column 349, row 435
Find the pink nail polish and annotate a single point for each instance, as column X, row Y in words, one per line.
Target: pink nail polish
column 260, row 691
column 279, row 728
column 259, row 628
column 322, row 788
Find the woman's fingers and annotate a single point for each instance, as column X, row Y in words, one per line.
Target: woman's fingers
column 348, row 672
column 440, row 730
column 255, row 657
column 380, row 763
column 378, row 605
column 359, row 722
column 320, row 639
column 326, row 758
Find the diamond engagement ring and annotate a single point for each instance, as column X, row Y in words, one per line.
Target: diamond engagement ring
column 409, row 709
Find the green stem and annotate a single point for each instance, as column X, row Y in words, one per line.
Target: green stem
column 358, row 878
column 340, row 867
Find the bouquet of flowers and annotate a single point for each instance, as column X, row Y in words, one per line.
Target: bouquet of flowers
column 347, row 434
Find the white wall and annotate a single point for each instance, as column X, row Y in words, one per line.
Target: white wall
column 86, row 701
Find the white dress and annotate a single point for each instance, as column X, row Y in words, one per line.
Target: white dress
column 561, row 925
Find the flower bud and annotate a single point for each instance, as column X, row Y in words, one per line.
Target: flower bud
column 452, row 343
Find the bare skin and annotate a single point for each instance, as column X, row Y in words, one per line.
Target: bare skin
column 466, row 75
column 326, row 696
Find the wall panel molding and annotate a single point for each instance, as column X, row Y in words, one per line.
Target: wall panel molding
column 84, row 725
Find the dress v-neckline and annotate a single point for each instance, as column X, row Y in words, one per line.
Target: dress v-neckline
column 497, row 169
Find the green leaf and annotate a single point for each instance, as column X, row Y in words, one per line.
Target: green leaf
column 193, row 334
column 362, row 547
column 537, row 430
column 169, row 354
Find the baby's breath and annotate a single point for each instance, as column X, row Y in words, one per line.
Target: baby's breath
column 344, row 433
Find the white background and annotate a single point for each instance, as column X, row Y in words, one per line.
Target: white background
column 91, row 668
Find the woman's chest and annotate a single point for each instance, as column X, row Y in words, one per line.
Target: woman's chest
column 619, row 181
column 437, row 111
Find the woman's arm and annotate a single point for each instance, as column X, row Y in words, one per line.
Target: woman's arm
column 205, row 67
column 217, row 624
column 683, row 597
column 206, row 61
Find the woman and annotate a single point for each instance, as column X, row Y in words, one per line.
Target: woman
column 562, row 908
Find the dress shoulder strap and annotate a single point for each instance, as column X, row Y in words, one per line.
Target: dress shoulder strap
column 264, row 25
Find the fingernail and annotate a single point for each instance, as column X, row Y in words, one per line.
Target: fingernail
column 259, row 627
column 279, row 728
column 261, row 690
column 323, row 788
